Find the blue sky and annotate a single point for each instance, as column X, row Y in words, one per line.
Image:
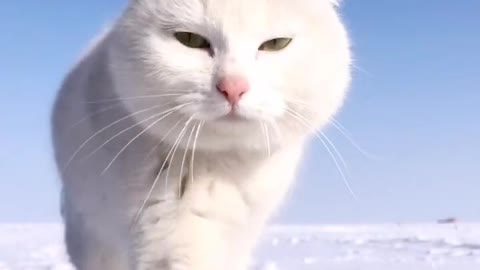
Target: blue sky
column 414, row 103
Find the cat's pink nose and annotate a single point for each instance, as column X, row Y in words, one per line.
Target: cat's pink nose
column 233, row 88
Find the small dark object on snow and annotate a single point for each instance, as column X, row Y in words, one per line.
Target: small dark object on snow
column 447, row 221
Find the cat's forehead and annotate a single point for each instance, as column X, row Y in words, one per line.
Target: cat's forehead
column 240, row 15
column 237, row 15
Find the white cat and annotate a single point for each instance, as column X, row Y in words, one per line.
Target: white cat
column 179, row 133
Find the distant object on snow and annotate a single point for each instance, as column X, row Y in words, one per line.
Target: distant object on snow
column 447, row 221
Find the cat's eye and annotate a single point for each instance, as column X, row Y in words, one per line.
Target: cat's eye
column 192, row 40
column 276, row 44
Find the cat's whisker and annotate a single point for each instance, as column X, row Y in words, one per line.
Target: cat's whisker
column 296, row 101
column 192, row 161
column 168, row 112
column 170, row 152
column 321, row 134
column 318, row 131
column 294, row 115
column 361, row 69
column 266, row 137
column 136, row 97
column 67, row 130
column 184, row 158
column 276, row 128
column 152, row 72
column 339, row 126
column 342, row 160
column 157, row 177
column 177, row 144
column 335, row 123
column 162, row 140
column 75, row 153
column 265, row 131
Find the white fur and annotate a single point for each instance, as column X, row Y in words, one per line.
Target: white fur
column 239, row 175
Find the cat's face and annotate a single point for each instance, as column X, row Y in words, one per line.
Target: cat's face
column 235, row 64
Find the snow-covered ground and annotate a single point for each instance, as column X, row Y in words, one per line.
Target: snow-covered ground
column 369, row 247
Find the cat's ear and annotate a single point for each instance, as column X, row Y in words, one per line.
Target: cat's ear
column 336, row 3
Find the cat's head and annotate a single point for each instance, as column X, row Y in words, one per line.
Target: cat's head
column 242, row 68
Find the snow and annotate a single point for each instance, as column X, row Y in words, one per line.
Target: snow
column 335, row 247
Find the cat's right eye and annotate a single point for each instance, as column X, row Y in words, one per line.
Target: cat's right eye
column 192, row 40
column 275, row 44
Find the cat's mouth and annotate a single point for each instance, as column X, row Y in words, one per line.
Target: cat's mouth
column 234, row 116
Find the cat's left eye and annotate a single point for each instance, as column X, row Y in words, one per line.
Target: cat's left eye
column 192, row 40
column 276, row 44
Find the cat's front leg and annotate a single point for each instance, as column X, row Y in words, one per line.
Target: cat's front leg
column 205, row 229
column 213, row 231
column 200, row 244
column 151, row 245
